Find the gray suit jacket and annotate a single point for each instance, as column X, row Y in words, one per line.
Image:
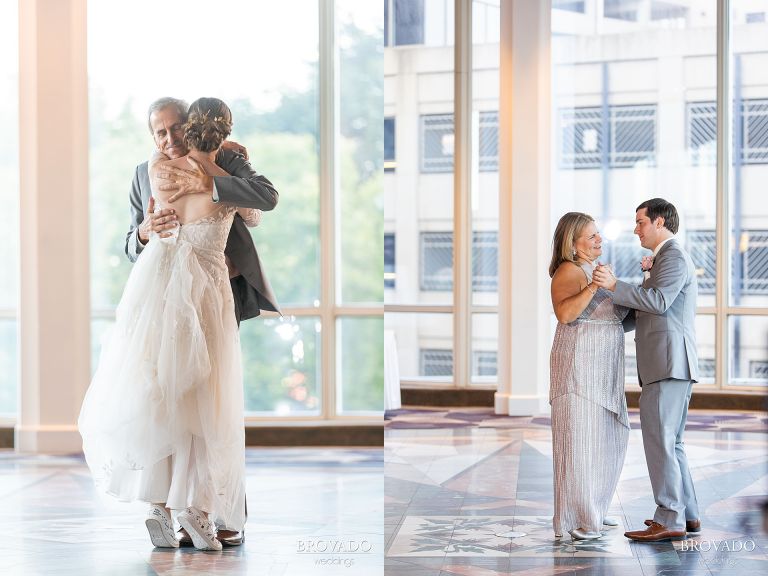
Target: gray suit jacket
column 665, row 314
column 244, row 188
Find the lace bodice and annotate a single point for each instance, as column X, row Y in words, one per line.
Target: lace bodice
column 207, row 237
column 209, row 232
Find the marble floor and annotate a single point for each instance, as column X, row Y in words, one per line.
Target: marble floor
column 470, row 494
column 311, row 512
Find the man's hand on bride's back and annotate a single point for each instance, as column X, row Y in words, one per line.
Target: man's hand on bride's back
column 235, row 147
column 160, row 222
column 185, row 181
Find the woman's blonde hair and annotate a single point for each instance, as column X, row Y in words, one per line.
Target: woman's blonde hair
column 568, row 229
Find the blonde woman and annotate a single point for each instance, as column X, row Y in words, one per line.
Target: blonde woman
column 590, row 425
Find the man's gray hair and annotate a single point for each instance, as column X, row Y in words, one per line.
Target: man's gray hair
column 165, row 102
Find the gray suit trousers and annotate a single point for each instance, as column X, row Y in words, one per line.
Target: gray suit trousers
column 663, row 412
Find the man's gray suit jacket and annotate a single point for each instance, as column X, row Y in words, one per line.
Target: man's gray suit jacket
column 665, row 315
column 245, row 189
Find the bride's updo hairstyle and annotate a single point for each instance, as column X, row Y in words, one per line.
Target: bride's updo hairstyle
column 208, row 124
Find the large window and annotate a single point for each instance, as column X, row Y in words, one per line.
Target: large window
column 745, row 322
column 634, row 94
column 9, row 198
column 360, row 338
column 421, row 194
column 290, row 363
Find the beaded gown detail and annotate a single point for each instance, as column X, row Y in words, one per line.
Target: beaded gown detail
column 590, row 424
column 162, row 420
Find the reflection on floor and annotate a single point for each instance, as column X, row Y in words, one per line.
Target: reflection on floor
column 474, row 498
column 311, row 511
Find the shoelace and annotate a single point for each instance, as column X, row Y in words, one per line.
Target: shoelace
column 205, row 525
column 163, row 518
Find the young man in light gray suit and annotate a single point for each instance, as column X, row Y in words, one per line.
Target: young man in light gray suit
column 667, row 366
column 244, row 188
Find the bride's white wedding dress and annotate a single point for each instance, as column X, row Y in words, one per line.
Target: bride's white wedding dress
column 163, row 418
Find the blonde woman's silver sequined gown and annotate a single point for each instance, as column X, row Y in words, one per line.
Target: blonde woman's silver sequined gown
column 590, row 425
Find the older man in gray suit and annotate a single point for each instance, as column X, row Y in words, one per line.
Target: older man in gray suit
column 667, row 366
column 244, row 188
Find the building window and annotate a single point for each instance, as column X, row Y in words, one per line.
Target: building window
column 435, row 362
column 389, row 144
column 625, row 256
column 489, row 141
column 702, row 133
column 665, row 11
column 408, row 24
column 437, row 261
column 753, row 249
column 707, row 368
column 437, row 143
column 389, row 260
column 755, row 131
column 633, row 135
column 484, row 363
column 621, row 10
column 582, row 138
column 569, row 5
column 631, row 138
column 701, row 246
column 758, row 369
column 485, row 261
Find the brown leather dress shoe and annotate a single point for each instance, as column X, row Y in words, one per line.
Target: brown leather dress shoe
column 185, row 540
column 230, row 537
column 690, row 525
column 655, row 533
column 693, row 525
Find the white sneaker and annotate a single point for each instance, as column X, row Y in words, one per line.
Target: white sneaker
column 200, row 529
column 160, row 527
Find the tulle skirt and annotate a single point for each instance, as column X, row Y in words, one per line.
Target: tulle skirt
column 162, row 420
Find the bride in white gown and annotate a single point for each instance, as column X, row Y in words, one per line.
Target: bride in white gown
column 162, row 421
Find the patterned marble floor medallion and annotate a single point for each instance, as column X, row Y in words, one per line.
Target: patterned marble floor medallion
column 499, row 536
column 540, row 541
